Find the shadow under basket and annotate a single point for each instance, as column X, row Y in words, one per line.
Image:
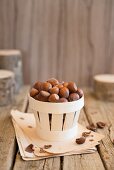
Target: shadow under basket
column 56, row 121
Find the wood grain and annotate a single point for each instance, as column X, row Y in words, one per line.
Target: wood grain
column 46, row 164
column 7, row 135
column 64, row 39
column 84, row 161
column 96, row 111
column 7, row 89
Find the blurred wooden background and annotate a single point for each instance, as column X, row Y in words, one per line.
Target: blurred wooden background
column 66, row 39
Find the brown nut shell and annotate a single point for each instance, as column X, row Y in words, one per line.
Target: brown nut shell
column 46, row 86
column 64, row 92
column 33, row 92
column 92, row 127
column 80, row 140
column 54, row 90
column 62, row 100
column 86, row 134
column 53, row 98
column 38, row 85
column 65, row 84
column 53, row 81
column 45, row 93
column 80, row 92
column 72, row 87
column 101, row 125
column 73, row 97
column 43, row 96
column 59, row 86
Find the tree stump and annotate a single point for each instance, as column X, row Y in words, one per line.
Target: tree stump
column 12, row 60
column 7, row 85
column 104, row 86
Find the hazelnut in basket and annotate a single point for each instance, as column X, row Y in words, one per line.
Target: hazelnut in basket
column 56, row 106
column 62, row 92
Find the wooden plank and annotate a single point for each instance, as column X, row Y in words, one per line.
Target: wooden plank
column 84, row 161
column 97, row 110
column 46, row 164
column 7, row 134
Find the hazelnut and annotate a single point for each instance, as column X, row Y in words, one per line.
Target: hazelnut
column 86, row 134
column 73, row 97
column 72, row 87
column 45, row 93
column 53, row 81
column 46, row 86
column 54, row 90
column 92, row 127
column 59, row 86
column 80, row 92
column 47, row 146
column 61, row 82
column 65, row 84
column 38, row 85
column 62, row 100
column 80, row 140
column 53, row 98
column 101, row 125
column 64, row 92
column 33, row 92
column 43, row 96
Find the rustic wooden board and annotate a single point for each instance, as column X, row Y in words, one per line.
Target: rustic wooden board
column 76, row 36
column 7, row 135
column 97, row 110
column 46, row 164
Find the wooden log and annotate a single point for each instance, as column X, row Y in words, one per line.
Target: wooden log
column 6, row 87
column 104, row 86
column 12, row 60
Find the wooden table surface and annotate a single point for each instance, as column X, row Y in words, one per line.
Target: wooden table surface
column 93, row 112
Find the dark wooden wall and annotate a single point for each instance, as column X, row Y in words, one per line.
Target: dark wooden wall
column 67, row 39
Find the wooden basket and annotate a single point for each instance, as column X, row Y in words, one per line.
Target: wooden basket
column 56, row 121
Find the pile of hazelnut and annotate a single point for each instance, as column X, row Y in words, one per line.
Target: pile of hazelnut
column 54, row 91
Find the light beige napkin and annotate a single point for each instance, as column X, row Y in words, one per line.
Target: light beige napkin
column 25, row 129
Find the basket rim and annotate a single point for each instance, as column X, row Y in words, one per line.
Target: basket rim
column 49, row 107
column 62, row 103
